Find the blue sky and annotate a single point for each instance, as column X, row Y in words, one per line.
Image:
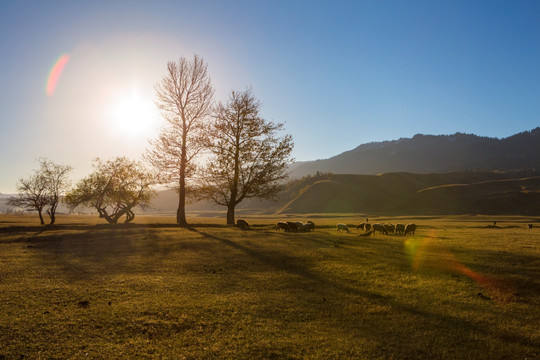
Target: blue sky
column 338, row 73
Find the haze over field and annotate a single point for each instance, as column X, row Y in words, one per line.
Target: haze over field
column 78, row 77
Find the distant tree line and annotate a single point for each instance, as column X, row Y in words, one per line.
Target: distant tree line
column 245, row 156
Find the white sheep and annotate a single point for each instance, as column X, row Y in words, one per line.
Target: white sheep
column 342, row 227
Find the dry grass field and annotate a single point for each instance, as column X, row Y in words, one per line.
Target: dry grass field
column 459, row 288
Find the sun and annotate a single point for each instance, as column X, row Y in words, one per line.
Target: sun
column 133, row 115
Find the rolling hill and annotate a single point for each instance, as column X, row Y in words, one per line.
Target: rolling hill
column 396, row 193
column 407, row 193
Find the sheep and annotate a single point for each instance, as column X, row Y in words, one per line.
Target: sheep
column 530, row 226
column 242, row 224
column 390, row 228
column 367, row 227
column 400, row 229
column 380, row 228
column 361, row 226
column 292, row 226
column 308, row 226
column 282, row 226
column 410, row 228
column 342, row 227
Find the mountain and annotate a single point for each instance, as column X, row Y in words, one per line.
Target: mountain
column 432, row 154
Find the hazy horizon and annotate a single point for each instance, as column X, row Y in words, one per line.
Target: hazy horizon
column 338, row 74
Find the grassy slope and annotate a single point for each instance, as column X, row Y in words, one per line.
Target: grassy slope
column 457, row 289
column 518, row 196
column 405, row 193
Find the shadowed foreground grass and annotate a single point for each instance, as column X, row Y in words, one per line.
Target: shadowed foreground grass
column 157, row 291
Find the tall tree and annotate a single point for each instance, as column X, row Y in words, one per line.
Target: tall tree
column 248, row 159
column 43, row 189
column 114, row 189
column 184, row 96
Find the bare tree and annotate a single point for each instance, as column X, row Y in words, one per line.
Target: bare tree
column 114, row 189
column 43, row 189
column 248, row 159
column 184, row 96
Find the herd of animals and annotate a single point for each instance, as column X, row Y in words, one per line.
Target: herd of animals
column 297, row 226
column 399, row 229
column 386, row 229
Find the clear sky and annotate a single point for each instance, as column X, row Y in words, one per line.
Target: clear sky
column 338, row 73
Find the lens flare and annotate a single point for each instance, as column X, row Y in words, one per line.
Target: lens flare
column 427, row 252
column 55, row 73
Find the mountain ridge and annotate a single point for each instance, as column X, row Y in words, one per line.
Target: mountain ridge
column 432, row 154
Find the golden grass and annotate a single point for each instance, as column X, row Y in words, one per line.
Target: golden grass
column 457, row 289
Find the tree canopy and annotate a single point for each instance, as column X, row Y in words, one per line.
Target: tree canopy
column 114, row 189
column 43, row 189
column 248, row 158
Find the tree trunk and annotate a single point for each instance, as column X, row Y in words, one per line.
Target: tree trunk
column 130, row 215
column 181, row 212
column 41, row 218
column 52, row 215
column 103, row 214
column 230, row 214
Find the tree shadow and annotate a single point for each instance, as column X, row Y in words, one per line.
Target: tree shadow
column 333, row 287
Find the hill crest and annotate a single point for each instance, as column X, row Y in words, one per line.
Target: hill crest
column 432, row 154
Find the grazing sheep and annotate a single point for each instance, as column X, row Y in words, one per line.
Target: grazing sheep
column 380, row 228
column 361, row 226
column 282, row 226
column 342, row 227
column 292, row 226
column 530, row 226
column 390, row 228
column 367, row 227
column 242, row 224
column 308, row 226
column 299, row 225
column 400, row 229
column 410, row 228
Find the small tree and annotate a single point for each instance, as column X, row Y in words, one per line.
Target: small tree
column 114, row 189
column 184, row 96
column 248, row 159
column 43, row 189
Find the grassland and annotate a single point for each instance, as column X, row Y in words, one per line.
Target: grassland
column 460, row 288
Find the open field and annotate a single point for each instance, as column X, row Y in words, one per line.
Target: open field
column 458, row 289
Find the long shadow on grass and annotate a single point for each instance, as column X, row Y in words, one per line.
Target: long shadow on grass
column 100, row 246
column 332, row 289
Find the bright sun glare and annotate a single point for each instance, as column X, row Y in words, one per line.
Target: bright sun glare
column 133, row 115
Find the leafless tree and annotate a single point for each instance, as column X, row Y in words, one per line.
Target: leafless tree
column 184, row 96
column 43, row 189
column 248, row 160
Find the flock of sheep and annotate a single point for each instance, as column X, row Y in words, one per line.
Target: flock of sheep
column 400, row 229
column 295, row 226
